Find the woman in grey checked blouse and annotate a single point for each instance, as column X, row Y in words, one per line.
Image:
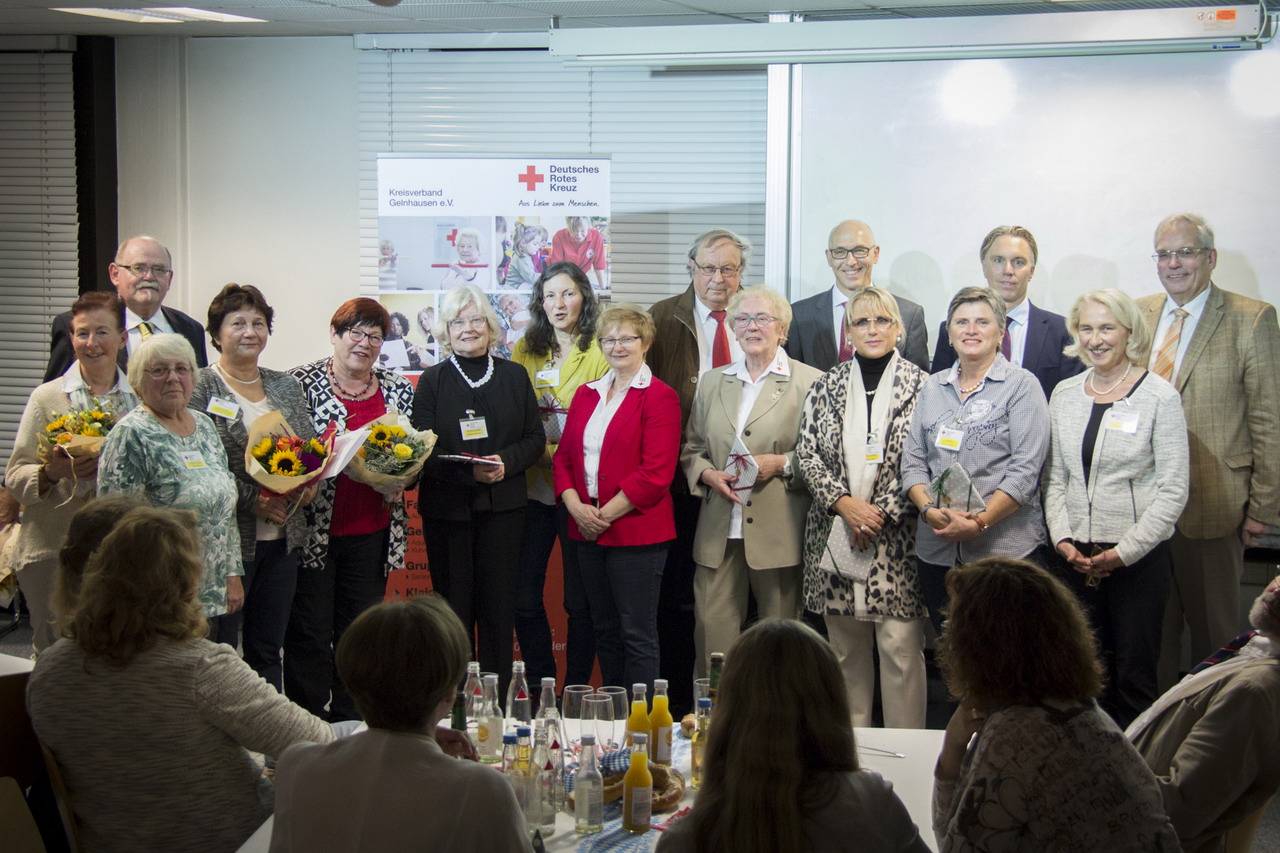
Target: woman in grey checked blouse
column 992, row 418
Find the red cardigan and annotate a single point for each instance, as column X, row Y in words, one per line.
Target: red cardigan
column 639, row 458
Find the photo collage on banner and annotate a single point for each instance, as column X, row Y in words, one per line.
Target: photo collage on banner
column 494, row 223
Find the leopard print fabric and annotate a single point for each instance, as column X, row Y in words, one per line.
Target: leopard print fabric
column 893, row 588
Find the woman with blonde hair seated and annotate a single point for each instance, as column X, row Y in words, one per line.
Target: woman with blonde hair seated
column 151, row 723
column 781, row 770
column 1029, row 761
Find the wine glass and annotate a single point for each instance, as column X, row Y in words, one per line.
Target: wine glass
column 571, row 711
column 621, row 710
column 597, row 717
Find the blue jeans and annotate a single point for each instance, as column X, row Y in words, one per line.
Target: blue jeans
column 270, row 580
column 622, row 584
column 542, row 524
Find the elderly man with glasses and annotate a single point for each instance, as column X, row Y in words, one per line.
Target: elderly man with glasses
column 142, row 273
column 818, row 335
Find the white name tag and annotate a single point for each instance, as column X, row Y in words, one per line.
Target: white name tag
column 223, row 408
column 949, row 439
column 1125, row 420
column 193, row 459
column 473, row 428
column 548, row 378
column 874, row 452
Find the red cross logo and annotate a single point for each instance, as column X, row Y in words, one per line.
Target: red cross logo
column 452, row 237
column 531, row 178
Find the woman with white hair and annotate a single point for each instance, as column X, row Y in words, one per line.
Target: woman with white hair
column 482, row 408
column 173, row 456
column 753, row 405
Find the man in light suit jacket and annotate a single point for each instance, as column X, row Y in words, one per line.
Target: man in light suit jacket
column 1034, row 338
column 1213, row 741
column 818, row 323
column 690, row 340
column 1223, row 356
column 142, row 273
column 753, row 538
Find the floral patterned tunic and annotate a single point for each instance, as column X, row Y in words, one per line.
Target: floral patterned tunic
column 141, row 456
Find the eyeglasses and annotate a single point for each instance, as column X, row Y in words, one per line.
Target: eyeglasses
column 864, row 323
column 183, row 371
column 710, row 270
column 457, row 324
column 840, row 252
column 742, row 321
column 627, row 342
column 358, row 335
column 1186, row 253
column 141, row 270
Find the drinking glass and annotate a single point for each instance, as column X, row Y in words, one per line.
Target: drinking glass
column 701, row 688
column 597, row 717
column 621, row 700
column 571, row 711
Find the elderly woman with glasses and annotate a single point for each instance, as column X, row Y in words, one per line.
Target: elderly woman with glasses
column 473, row 512
column 357, row 535
column 172, row 455
column 739, row 457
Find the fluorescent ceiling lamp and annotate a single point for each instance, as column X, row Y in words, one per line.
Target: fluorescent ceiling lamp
column 163, row 15
column 1174, row 30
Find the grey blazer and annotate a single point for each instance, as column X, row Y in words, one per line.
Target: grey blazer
column 285, row 395
column 1138, row 481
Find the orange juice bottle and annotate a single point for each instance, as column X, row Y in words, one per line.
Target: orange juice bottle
column 639, row 719
column 637, row 787
column 660, row 724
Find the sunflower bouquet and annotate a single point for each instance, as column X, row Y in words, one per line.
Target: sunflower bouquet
column 79, row 433
column 281, row 461
column 391, row 456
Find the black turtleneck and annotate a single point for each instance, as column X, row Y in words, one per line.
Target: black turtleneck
column 473, row 366
column 872, row 370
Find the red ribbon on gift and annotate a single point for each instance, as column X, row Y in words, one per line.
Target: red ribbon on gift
column 741, row 460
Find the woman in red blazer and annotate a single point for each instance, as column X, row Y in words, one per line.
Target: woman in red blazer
column 613, row 470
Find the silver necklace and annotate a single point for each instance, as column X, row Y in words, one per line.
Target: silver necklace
column 1094, row 388
column 488, row 374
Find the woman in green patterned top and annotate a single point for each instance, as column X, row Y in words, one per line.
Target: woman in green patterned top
column 172, row 456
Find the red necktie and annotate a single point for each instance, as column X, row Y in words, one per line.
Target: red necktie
column 720, row 355
column 846, row 347
column 1006, row 345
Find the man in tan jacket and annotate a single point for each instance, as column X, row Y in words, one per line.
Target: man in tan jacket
column 1221, row 351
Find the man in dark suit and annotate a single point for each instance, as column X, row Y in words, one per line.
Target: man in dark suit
column 142, row 273
column 693, row 335
column 817, row 324
column 1034, row 338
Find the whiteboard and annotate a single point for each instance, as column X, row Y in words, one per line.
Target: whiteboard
column 1089, row 153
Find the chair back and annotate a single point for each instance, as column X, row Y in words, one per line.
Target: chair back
column 64, row 802
column 20, row 832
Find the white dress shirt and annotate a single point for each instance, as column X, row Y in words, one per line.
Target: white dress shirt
column 1194, row 309
column 132, row 321
column 598, row 424
column 705, row 330
column 1015, row 320
column 751, row 388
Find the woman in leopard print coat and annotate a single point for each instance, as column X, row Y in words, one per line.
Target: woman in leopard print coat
column 887, row 606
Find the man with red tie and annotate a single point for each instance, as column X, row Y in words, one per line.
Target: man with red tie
column 693, row 335
column 817, row 336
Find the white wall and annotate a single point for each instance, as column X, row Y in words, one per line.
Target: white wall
column 1089, row 153
column 241, row 155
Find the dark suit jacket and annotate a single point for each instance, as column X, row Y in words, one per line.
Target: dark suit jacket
column 812, row 339
column 674, row 357
column 61, row 353
column 1047, row 337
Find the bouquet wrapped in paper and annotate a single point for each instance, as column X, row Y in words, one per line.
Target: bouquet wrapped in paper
column 279, row 460
column 78, row 433
column 392, row 455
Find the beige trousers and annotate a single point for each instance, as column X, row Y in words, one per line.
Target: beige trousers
column 903, row 689
column 720, row 600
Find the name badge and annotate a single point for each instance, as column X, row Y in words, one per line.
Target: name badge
column 949, row 439
column 1125, row 420
column 193, row 459
column 548, row 378
column 874, row 451
column 223, row 408
column 473, row 428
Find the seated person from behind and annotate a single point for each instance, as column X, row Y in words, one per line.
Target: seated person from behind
column 1213, row 740
column 392, row 787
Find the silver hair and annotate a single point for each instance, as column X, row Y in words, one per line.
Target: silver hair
column 157, row 348
column 454, row 303
column 1195, row 220
column 715, row 235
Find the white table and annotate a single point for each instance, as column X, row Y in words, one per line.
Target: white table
column 911, row 775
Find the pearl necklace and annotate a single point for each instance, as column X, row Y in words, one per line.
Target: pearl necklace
column 340, row 391
column 1094, row 388
column 226, row 374
column 488, row 374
